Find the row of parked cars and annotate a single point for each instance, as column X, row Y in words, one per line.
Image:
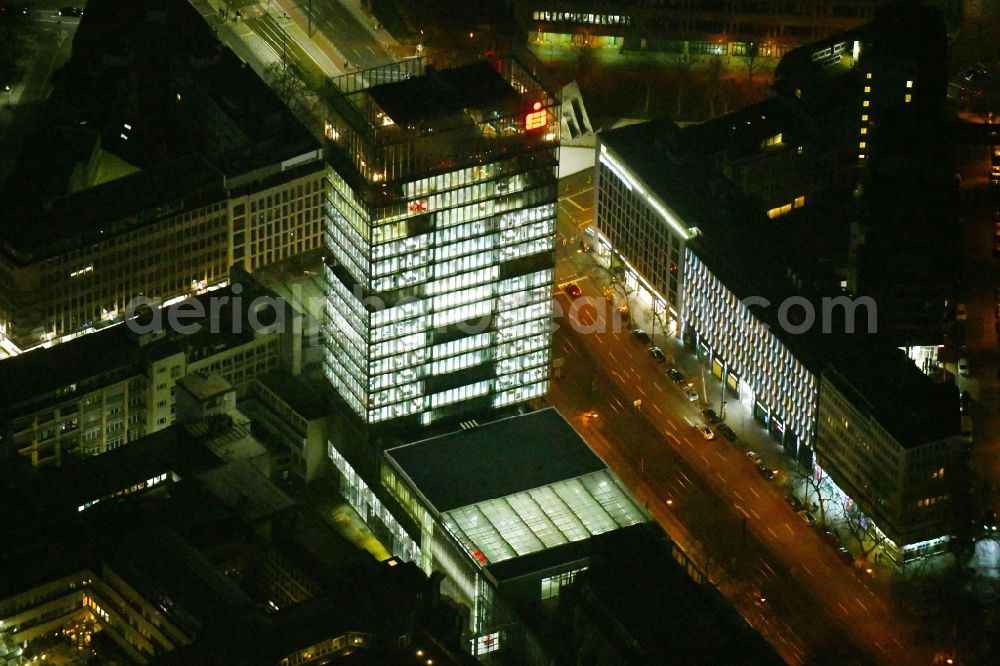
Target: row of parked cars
column 828, row 535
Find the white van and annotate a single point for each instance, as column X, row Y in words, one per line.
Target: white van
column 963, row 367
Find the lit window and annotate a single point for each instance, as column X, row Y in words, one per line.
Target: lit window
column 868, row 89
column 909, row 84
column 864, row 130
column 800, row 201
column 907, row 98
column 865, row 103
column 868, row 76
column 862, row 144
column 864, row 117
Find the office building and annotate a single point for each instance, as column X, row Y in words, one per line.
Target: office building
column 702, row 226
column 165, row 186
column 101, row 391
column 658, row 221
column 490, row 495
column 694, row 28
column 441, row 208
column 889, row 440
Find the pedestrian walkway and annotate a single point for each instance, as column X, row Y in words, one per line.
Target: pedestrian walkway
column 318, row 47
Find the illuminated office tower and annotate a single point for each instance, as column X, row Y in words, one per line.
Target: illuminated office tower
column 439, row 229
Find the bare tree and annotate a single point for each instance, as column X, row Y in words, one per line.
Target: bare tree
column 819, row 492
column 861, row 528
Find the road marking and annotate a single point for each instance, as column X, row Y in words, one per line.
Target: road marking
column 858, row 600
column 896, row 641
column 721, row 478
column 639, row 388
column 847, row 612
column 614, row 358
column 789, row 527
column 740, row 509
column 658, row 410
column 705, row 459
column 736, row 492
column 658, row 387
column 678, row 442
column 773, row 572
column 755, row 493
column 808, row 570
column 671, row 424
column 598, row 338
column 570, row 200
column 772, row 532
column 686, row 478
column 755, row 514
column 721, row 457
column 878, row 646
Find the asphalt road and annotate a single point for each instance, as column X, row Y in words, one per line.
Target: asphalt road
column 350, row 37
column 720, row 510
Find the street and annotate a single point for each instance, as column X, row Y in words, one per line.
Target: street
column 706, row 494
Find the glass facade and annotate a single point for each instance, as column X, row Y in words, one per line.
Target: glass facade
column 534, row 520
column 440, row 233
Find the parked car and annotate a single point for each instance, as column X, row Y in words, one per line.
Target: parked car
column 845, row 555
column 676, row 375
column 641, row 335
column 963, row 367
column 794, row 502
column 71, row 11
column 807, row 517
column 829, row 536
column 752, row 455
column 710, row 414
column 727, row 432
column 691, row 394
column 766, row 471
column 706, row 432
column 658, row 354
column 965, row 399
column 960, row 312
column 572, row 290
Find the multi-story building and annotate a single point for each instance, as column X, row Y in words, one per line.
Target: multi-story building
column 292, row 412
column 154, row 208
column 735, row 273
column 103, row 390
column 441, row 213
column 689, row 27
column 889, row 440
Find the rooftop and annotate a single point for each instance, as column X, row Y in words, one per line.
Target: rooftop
column 203, row 387
column 444, row 92
column 881, row 379
column 494, row 460
column 297, row 392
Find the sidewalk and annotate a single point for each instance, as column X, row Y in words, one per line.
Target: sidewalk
column 319, row 48
column 751, row 434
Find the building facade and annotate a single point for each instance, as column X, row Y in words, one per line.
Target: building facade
column 756, row 366
column 688, row 27
column 158, row 235
column 440, row 224
column 104, row 390
column 906, row 489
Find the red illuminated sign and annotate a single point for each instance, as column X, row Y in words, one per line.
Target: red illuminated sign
column 418, row 206
column 537, row 119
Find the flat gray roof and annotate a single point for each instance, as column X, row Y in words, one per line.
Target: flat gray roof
column 495, row 459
